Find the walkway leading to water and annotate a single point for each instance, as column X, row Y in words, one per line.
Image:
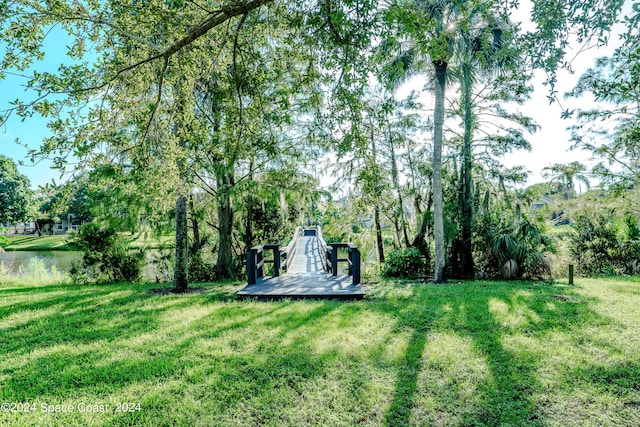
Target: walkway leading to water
column 307, row 258
column 305, row 277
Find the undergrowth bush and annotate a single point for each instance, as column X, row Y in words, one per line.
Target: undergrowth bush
column 600, row 248
column 513, row 248
column 201, row 270
column 406, row 262
column 106, row 258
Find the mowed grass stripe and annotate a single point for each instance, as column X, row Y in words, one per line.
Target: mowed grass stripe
column 476, row 353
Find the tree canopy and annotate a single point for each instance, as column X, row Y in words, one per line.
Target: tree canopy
column 15, row 193
column 213, row 111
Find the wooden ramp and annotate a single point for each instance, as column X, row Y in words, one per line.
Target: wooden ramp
column 305, row 278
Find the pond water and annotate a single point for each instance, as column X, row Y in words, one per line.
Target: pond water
column 18, row 262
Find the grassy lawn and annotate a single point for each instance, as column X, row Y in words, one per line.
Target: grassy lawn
column 479, row 353
column 57, row 242
column 33, row 242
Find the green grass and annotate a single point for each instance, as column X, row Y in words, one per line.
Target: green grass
column 478, row 353
column 149, row 241
column 57, row 242
column 37, row 243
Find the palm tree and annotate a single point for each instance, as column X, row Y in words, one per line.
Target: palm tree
column 430, row 25
column 479, row 48
column 442, row 30
column 567, row 174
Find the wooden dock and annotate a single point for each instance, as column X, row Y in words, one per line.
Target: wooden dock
column 304, row 278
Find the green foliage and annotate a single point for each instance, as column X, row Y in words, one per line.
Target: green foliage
column 201, row 270
column 513, row 249
column 3, row 239
column 15, row 193
column 106, row 258
column 406, row 262
column 611, row 130
column 633, row 231
column 598, row 247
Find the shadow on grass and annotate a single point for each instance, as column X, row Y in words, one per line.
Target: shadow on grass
column 73, row 339
column 506, row 399
column 207, row 359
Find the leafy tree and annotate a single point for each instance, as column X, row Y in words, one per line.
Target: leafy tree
column 15, row 193
column 146, row 75
column 611, row 131
column 559, row 25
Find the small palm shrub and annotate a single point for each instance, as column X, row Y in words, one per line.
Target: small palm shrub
column 513, row 249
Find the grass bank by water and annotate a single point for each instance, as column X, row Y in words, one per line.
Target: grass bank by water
column 478, row 353
column 33, row 242
column 58, row 242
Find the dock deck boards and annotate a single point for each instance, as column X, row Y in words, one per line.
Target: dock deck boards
column 304, row 279
column 304, row 285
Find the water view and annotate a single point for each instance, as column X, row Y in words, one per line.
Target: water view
column 18, row 262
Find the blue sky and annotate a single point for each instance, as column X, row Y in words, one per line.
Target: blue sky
column 33, row 130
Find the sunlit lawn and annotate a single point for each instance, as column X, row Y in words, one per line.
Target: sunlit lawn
column 33, row 242
column 479, row 353
column 55, row 242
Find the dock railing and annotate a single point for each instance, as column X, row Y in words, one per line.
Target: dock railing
column 353, row 260
column 325, row 251
column 289, row 251
column 282, row 257
column 256, row 261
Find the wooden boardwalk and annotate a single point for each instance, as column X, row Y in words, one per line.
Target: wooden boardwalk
column 305, row 278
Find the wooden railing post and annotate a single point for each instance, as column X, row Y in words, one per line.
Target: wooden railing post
column 276, row 258
column 334, row 258
column 571, row 274
column 251, row 266
column 354, row 266
column 350, row 256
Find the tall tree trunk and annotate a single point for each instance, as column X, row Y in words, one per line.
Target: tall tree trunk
column 438, row 206
column 181, row 265
column 376, row 214
column 466, row 188
column 396, row 183
column 249, row 200
column 180, row 271
column 421, row 241
column 224, row 266
column 198, row 242
column 379, row 241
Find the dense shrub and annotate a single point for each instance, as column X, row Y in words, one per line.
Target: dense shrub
column 201, row 270
column 598, row 248
column 407, row 262
column 106, row 258
column 513, row 249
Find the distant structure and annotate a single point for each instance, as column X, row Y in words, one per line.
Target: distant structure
column 64, row 226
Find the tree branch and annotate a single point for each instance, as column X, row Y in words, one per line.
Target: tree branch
column 216, row 18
